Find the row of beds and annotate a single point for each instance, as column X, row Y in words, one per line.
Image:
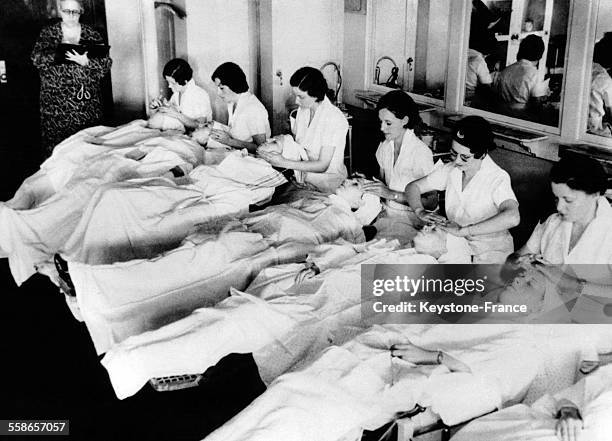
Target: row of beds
column 173, row 272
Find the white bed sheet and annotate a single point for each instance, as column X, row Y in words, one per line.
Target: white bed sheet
column 317, row 310
column 127, row 298
column 505, row 359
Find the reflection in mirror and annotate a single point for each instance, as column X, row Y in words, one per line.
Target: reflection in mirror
column 599, row 120
column 516, row 56
column 410, row 38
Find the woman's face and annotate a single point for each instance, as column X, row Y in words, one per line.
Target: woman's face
column 70, row 11
column 573, row 205
column 224, row 92
column 464, row 158
column 302, row 99
column 174, row 86
column 392, row 126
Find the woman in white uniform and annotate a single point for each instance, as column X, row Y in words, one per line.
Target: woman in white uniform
column 600, row 105
column 320, row 128
column 248, row 118
column 581, row 230
column 402, row 158
column 579, row 233
column 189, row 103
column 480, row 203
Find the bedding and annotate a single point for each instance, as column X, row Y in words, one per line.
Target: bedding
column 357, row 386
column 592, row 394
column 287, row 320
column 102, row 177
column 48, row 206
column 126, row 298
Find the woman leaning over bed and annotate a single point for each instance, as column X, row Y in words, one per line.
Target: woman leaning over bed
column 480, row 203
column 248, row 118
column 320, row 128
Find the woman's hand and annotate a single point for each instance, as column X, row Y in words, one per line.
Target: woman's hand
column 170, row 111
column 75, row 57
column 275, row 159
column 220, row 136
column 569, row 425
column 379, row 189
column 453, row 228
column 431, row 218
column 566, row 283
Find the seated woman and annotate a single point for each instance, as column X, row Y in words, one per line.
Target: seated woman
column 480, row 203
column 579, row 233
column 248, row 118
column 189, row 103
column 600, row 105
column 402, row 158
column 320, row 128
column 518, row 86
column 581, row 230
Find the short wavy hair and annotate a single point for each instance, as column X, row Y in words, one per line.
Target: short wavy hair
column 311, row 81
column 580, row 173
column 178, row 69
column 400, row 104
column 232, row 76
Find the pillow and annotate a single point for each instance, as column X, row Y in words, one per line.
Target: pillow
column 161, row 121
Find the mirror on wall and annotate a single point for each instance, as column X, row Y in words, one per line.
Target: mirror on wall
column 410, row 45
column 516, row 58
column 599, row 117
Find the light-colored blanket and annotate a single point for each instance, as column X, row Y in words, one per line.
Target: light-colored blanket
column 357, row 386
column 289, row 326
column 102, row 203
column 592, row 394
column 127, row 298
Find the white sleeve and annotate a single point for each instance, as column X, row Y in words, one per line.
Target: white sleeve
column 424, row 164
column 482, row 72
column 438, row 178
column 257, row 122
column 502, row 190
column 534, row 244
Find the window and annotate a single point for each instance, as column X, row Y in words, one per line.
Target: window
column 410, row 46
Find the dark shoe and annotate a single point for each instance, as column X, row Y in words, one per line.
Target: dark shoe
column 65, row 281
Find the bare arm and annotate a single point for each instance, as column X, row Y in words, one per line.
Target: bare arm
column 313, row 165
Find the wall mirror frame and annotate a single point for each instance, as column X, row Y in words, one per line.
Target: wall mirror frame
column 411, row 62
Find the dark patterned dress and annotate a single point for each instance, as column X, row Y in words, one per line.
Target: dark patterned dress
column 70, row 95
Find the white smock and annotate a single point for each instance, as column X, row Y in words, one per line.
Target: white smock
column 601, row 98
column 414, row 161
column 193, row 102
column 518, row 83
column 480, row 200
column 248, row 118
column 477, row 72
column 327, row 128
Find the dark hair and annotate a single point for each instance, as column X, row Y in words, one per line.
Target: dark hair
column 580, row 173
column 400, row 104
column 311, row 81
column 531, row 48
column 230, row 75
column 474, row 132
column 602, row 53
column 178, row 69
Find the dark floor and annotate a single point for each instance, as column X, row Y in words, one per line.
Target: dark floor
column 50, row 371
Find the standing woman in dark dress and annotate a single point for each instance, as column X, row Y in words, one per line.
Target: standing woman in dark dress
column 70, row 95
